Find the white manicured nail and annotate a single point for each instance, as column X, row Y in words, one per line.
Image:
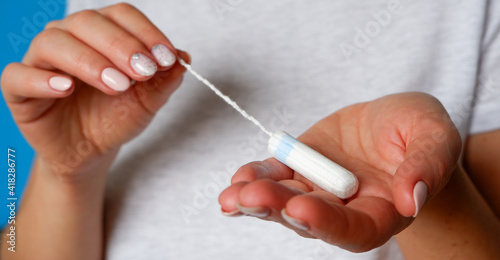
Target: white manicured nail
column 115, row 79
column 299, row 224
column 232, row 213
column 163, row 55
column 60, row 83
column 419, row 196
column 260, row 212
column 143, row 65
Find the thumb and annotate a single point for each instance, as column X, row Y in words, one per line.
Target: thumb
column 427, row 167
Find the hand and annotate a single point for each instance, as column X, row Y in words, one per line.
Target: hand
column 71, row 96
column 395, row 145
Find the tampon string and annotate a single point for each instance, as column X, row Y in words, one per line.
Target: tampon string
column 224, row 97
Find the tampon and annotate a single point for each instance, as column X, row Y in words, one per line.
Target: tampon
column 312, row 165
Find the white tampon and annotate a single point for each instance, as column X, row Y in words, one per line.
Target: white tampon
column 312, row 165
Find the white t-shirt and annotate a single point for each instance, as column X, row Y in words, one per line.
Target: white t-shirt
column 288, row 63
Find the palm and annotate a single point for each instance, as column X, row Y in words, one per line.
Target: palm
column 373, row 140
column 343, row 139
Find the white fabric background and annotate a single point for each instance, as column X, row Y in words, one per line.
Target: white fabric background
column 282, row 61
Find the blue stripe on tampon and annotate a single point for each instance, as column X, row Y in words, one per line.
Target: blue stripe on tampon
column 284, row 147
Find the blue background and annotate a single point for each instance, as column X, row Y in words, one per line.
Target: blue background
column 17, row 17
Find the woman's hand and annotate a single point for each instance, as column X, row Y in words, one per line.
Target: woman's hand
column 402, row 148
column 87, row 84
column 72, row 96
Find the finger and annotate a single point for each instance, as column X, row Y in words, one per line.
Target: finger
column 56, row 49
column 29, row 91
column 123, row 49
column 20, row 82
column 363, row 224
column 266, row 199
column 138, row 25
column 267, row 169
column 229, row 199
column 155, row 92
column 429, row 161
column 262, row 198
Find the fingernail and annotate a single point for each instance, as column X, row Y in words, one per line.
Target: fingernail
column 295, row 222
column 60, row 83
column 143, row 65
column 163, row 55
column 260, row 212
column 232, row 213
column 419, row 196
column 115, row 79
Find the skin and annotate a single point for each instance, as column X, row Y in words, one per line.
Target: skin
column 62, row 211
column 457, row 224
column 466, row 213
column 389, row 144
column 482, row 164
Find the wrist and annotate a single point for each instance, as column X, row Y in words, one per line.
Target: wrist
column 90, row 170
column 64, row 209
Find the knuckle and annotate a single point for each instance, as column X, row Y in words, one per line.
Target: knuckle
column 83, row 60
column 123, row 8
column 121, row 43
column 7, row 74
column 46, row 37
column 118, row 41
column 52, row 24
column 30, row 83
column 82, row 18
